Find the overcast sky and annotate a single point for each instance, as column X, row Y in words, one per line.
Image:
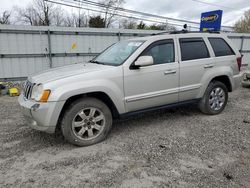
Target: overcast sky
column 183, row 9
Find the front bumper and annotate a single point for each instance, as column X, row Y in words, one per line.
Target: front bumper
column 41, row 116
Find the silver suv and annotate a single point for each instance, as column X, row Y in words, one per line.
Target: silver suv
column 132, row 76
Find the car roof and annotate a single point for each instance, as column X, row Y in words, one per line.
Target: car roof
column 179, row 35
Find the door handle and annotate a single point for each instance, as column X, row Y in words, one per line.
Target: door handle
column 169, row 72
column 208, row 66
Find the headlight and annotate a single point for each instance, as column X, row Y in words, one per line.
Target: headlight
column 39, row 94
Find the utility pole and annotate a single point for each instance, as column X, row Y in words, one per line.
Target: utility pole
column 79, row 15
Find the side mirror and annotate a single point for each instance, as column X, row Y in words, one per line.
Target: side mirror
column 144, row 61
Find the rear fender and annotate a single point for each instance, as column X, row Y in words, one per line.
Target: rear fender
column 213, row 73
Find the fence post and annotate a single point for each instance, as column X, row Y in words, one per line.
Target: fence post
column 49, row 46
column 119, row 36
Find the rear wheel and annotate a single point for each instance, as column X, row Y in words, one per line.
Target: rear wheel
column 215, row 98
column 87, row 121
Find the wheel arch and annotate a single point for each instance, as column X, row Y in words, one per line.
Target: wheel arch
column 222, row 74
column 225, row 80
column 98, row 95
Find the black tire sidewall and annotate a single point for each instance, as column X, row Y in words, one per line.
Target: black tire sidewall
column 212, row 86
column 74, row 108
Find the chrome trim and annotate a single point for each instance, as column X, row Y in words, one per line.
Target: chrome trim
column 28, row 89
column 151, row 95
column 162, row 93
column 190, row 87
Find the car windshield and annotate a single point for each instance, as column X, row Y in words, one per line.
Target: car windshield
column 117, row 53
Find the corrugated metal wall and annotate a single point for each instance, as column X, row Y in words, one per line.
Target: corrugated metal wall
column 25, row 49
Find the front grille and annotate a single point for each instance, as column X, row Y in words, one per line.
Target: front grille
column 28, row 89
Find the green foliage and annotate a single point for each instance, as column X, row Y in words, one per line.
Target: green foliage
column 97, row 22
column 141, row 25
column 157, row 27
column 160, row 27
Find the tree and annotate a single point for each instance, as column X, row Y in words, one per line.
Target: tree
column 40, row 13
column 27, row 15
column 165, row 27
column 69, row 21
column 157, row 27
column 141, row 25
column 79, row 20
column 97, row 21
column 128, row 24
column 58, row 17
column 110, row 8
column 75, row 20
column 243, row 25
column 5, row 18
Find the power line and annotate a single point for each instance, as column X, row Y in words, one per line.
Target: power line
column 141, row 13
column 134, row 12
column 132, row 17
column 213, row 4
column 98, row 5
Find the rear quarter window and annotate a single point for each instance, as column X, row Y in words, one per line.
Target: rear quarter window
column 220, row 47
column 193, row 48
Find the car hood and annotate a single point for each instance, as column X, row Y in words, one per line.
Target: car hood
column 66, row 71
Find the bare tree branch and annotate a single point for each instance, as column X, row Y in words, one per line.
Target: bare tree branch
column 110, row 8
column 75, row 20
column 5, row 18
column 41, row 13
column 128, row 24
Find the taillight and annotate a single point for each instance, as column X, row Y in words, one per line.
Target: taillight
column 239, row 62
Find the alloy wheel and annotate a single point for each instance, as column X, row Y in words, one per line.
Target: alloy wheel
column 217, row 98
column 88, row 123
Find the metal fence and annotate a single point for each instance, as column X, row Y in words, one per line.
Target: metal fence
column 26, row 49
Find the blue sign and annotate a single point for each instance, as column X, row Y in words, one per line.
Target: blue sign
column 211, row 21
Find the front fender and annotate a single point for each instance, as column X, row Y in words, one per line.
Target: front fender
column 113, row 90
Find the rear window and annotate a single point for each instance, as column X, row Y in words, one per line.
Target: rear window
column 193, row 48
column 220, row 47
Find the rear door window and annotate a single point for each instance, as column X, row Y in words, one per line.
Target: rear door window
column 193, row 48
column 220, row 47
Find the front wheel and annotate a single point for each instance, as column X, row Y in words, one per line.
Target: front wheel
column 87, row 121
column 215, row 98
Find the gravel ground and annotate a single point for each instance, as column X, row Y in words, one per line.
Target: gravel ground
column 168, row 148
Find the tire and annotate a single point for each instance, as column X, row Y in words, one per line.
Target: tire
column 212, row 103
column 80, row 125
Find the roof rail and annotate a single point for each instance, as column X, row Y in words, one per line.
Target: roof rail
column 183, row 31
column 160, row 33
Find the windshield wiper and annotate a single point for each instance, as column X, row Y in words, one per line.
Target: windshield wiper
column 97, row 62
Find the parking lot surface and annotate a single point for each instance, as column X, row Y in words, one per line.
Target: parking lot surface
column 180, row 147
